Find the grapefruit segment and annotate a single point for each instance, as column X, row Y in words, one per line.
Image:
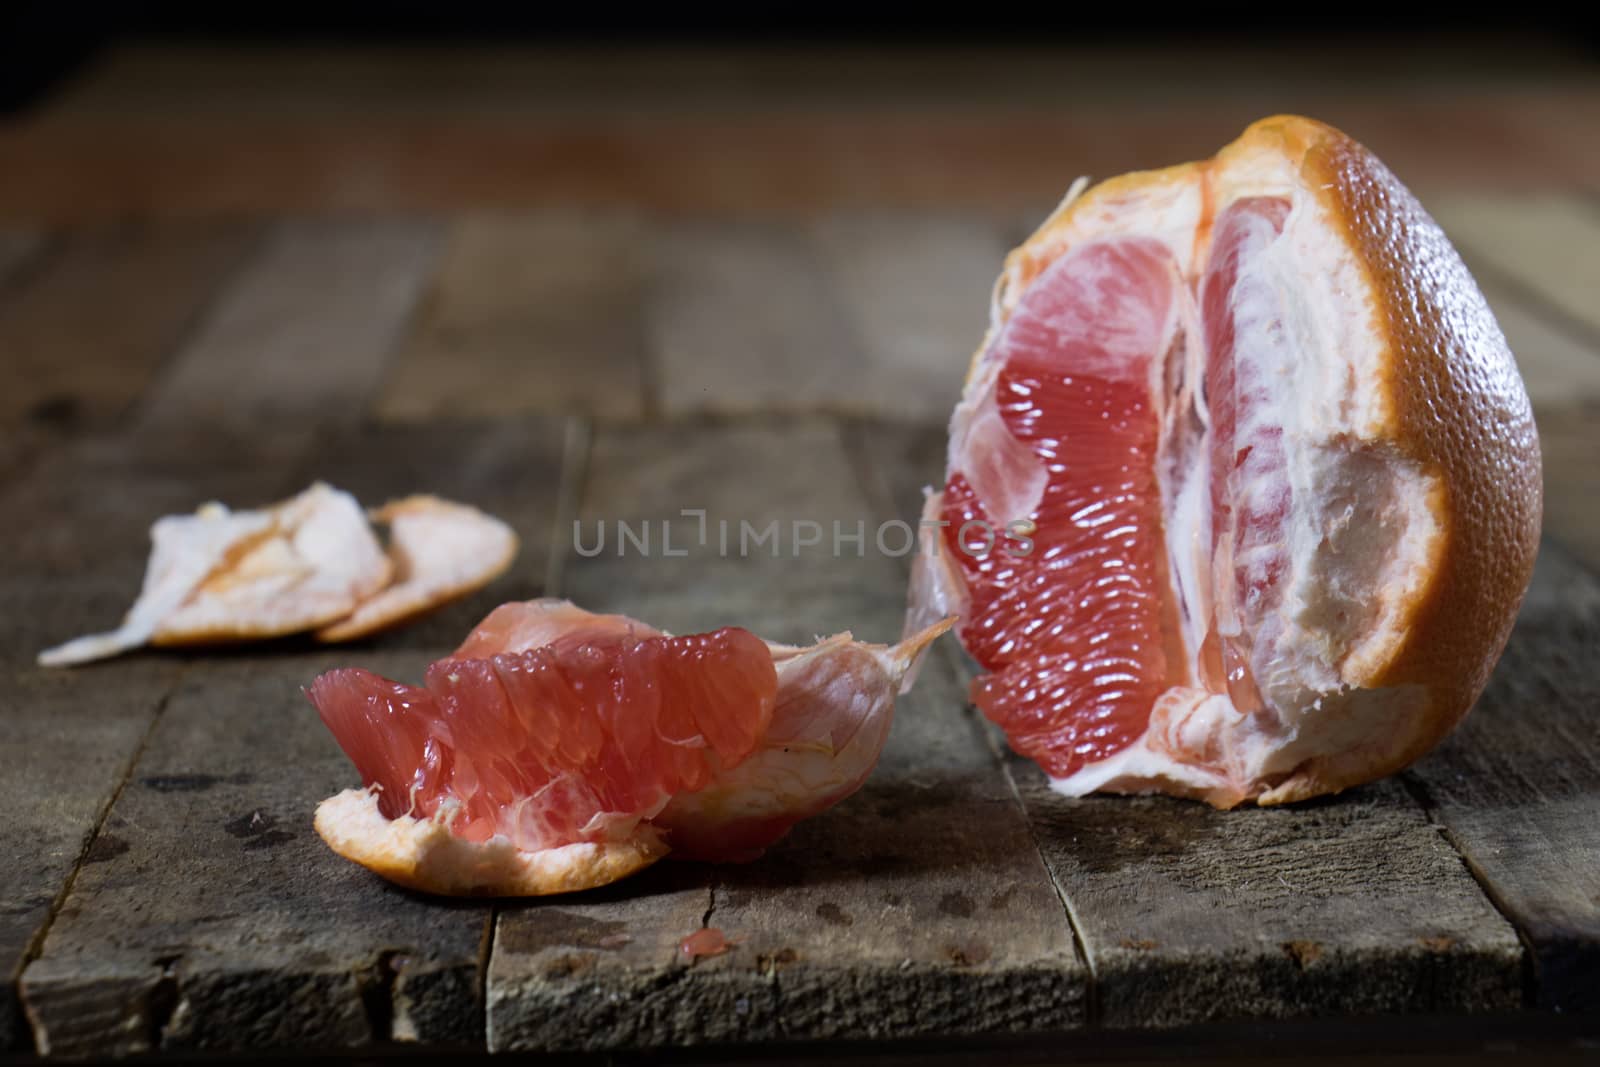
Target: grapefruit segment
column 602, row 727
column 1077, row 358
column 1277, row 471
column 552, row 728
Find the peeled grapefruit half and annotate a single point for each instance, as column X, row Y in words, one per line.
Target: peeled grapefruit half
column 1260, row 475
column 557, row 750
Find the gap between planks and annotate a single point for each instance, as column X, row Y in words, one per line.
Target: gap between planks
column 36, row 943
column 800, row 973
column 1419, row 793
column 1163, row 845
column 878, row 485
column 511, row 469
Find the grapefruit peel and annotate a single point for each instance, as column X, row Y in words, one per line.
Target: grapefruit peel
column 1333, row 581
column 441, row 551
column 310, row 563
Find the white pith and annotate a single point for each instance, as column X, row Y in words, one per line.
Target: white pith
column 424, row 853
column 1361, row 531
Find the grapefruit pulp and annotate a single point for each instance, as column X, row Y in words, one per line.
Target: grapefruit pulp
column 557, row 749
column 1278, row 470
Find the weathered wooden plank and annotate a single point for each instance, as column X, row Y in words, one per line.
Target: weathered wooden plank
column 743, row 319
column 1569, row 439
column 1518, row 785
column 212, row 917
column 534, row 313
column 918, row 906
column 249, row 932
column 75, row 552
column 1352, row 906
column 898, row 463
column 510, row 468
column 17, row 247
column 85, row 329
column 1563, row 591
column 67, row 749
column 915, row 294
column 1549, row 243
column 790, row 481
column 304, row 330
column 85, row 508
column 579, row 132
column 1560, row 366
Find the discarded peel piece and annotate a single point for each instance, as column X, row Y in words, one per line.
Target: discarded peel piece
column 558, row 749
column 310, row 563
column 440, row 551
column 219, row 575
column 1279, row 470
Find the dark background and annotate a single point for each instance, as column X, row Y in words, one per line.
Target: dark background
column 42, row 42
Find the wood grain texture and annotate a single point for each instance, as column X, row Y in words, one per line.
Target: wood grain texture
column 1563, row 591
column 70, row 752
column 75, row 563
column 760, row 486
column 918, row 906
column 74, row 566
column 212, row 917
column 248, row 932
column 511, row 469
column 870, row 313
column 1569, row 439
column 1548, row 243
column 304, row 330
column 85, row 328
column 528, row 313
column 1560, row 364
column 743, row 319
column 746, row 153
column 914, row 293
column 897, row 463
column 1352, row 906
column 1518, row 784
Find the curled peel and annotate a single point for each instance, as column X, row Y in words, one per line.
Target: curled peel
column 440, row 551
column 221, row 575
column 312, row 562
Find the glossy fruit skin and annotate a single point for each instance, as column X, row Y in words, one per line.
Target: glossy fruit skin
column 1459, row 408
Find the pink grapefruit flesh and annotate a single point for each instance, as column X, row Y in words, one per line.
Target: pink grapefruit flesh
column 557, row 749
column 551, row 746
column 1273, row 469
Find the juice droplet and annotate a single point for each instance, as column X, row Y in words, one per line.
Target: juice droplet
column 708, row 941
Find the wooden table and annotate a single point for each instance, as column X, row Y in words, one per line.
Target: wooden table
column 574, row 289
